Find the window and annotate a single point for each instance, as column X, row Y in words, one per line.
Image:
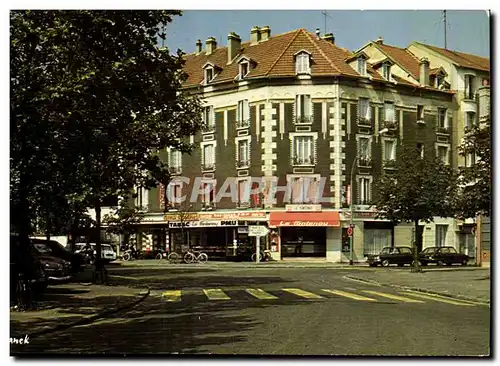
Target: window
column 441, row 231
column 304, row 189
column 364, row 191
column 362, row 65
column 420, row 113
column 141, row 200
column 303, row 108
column 389, row 150
column 208, row 193
column 174, row 194
column 175, row 162
column 469, row 86
column 243, row 192
column 364, row 148
column 303, row 150
column 243, row 159
column 386, row 70
column 208, row 118
column 209, row 157
column 420, row 149
column 302, row 64
column 442, row 120
column 405, row 250
column 389, row 112
column 364, row 109
column 244, row 69
column 439, row 80
column 470, row 120
column 209, row 74
column 470, row 159
column 243, row 118
column 442, row 153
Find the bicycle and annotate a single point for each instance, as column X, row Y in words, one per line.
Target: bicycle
column 265, row 256
column 195, row 256
column 174, row 257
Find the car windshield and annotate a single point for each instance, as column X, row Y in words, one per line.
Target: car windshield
column 42, row 248
column 106, row 247
column 452, row 250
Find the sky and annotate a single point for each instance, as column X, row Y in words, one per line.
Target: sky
column 467, row 31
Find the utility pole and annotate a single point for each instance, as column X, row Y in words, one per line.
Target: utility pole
column 444, row 20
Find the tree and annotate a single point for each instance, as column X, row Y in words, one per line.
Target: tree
column 94, row 98
column 418, row 190
column 474, row 196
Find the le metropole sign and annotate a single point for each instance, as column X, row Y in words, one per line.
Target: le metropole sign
column 177, row 220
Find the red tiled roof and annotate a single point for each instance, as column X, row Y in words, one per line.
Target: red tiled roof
column 462, row 59
column 402, row 57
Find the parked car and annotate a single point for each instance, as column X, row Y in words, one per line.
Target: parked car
column 442, row 256
column 391, row 255
column 59, row 251
column 57, row 269
column 107, row 252
column 25, row 262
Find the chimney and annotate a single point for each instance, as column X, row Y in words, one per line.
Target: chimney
column 318, row 32
column 424, row 71
column 379, row 40
column 484, row 103
column 198, row 46
column 211, row 45
column 329, row 38
column 265, row 33
column 233, row 46
column 254, row 35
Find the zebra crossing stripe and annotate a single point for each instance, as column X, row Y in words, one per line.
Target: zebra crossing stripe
column 302, row 293
column 216, row 294
column 172, row 295
column 260, row 294
column 440, row 299
column 392, row 297
column 349, row 295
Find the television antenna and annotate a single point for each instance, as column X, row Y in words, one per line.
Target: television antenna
column 326, row 15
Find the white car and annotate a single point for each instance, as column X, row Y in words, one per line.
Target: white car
column 107, row 251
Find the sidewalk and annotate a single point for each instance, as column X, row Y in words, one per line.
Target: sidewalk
column 62, row 305
column 463, row 284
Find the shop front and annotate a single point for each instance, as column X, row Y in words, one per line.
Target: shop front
column 303, row 234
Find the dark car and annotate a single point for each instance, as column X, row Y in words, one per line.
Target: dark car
column 442, row 256
column 391, row 255
column 57, row 269
column 59, row 251
column 25, row 263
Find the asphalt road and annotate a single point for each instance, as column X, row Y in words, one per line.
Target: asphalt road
column 292, row 315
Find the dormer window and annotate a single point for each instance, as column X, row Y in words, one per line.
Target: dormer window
column 362, row 65
column 210, row 71
column 303, row 62
column 386, row 71
column 244, row 69
column 209, row 74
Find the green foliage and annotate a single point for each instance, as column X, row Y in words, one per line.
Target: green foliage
column 419, row 189
column 474, row 194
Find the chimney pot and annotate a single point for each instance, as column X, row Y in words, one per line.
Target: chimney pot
column 329, row 38
column 254, row 35
column 380, row 40
column 211, row 45
column 265, row 33
column 424, row 71
column 233, row 46
column 318, row 32
column 198, row 46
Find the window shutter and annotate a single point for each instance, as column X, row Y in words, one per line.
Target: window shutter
column 246, row 110
column 397, row 116
column 297, row 111
column 381, row 115
column 449, row 123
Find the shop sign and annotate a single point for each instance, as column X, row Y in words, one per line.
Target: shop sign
column 229, row 216
column 243, row 230
column 257, row 230
column 304, row 223
column 303, row 208
column 182, row 216
column 183, row 224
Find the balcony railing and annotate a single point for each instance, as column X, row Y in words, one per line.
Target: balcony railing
column 303, row 160
column 175, row 169
column 443, row 130
column 208, row 128
column 208, row 166
column 391, row 125
column 364, row 162
column 243, row 123
column 303, row 120
column 364, row 122
column 242, row 163
column 390, row 164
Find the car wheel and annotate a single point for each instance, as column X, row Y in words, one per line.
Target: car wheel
column 386, row 263
column 464, row 262
column 449, row 263
column 441, row 263
column 423, row 263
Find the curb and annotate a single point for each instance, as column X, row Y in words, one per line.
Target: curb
column 90, row 319
column 457, row 297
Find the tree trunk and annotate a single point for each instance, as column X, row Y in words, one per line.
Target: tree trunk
column 416, row 264
column 24, row 258
column 99, row 265
column 47, row 228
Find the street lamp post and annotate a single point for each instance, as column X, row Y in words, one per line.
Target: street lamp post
column 351, row 221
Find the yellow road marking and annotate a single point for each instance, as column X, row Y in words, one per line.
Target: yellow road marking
column 216, row 294
column 302, row 293
column 440, row 299
column 172, row 295
column 447, row 298
column 393, row 297
column 350, row 295
column 260, row 294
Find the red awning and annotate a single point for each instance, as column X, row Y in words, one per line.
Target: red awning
column 304, row 219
